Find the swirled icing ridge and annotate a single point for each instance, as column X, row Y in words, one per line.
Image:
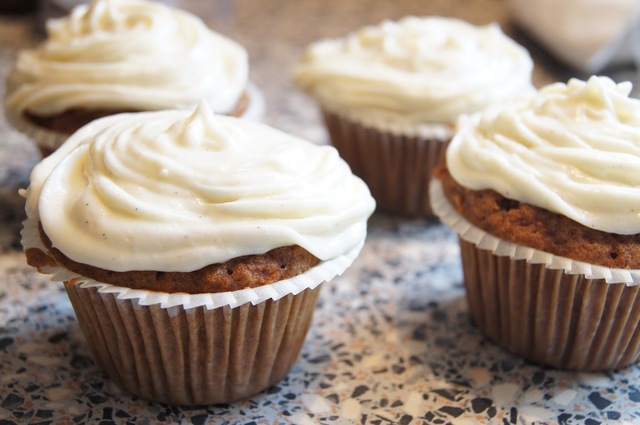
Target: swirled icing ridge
column 415, row 70
column 130, row 55
column 178, row 190
column 573, row 149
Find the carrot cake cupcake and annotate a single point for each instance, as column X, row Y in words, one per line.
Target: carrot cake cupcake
column 390, row 95
column 114, row 56
column 545, row 197
column 193, row 246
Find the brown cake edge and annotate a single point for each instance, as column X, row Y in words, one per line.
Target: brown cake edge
column 243, row 272
column 539, row 228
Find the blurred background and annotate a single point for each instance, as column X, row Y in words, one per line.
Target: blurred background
column 566, row 38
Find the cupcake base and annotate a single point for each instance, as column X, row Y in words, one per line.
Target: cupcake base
column 551, row 317
column 194, row 349
column 546, row 308
column 396, row 166
column 195, row 356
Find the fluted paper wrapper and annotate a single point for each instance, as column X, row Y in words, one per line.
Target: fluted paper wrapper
column 193, row 356
column 48, row 141
column 195, row 349
column 545, row 308
column 395, row 162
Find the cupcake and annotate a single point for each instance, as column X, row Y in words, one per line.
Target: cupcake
column 115, row 56
column 193, row 246
column 390, row 95
column 545, row 198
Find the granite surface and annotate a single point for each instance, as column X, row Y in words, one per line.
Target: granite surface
column 391, row 341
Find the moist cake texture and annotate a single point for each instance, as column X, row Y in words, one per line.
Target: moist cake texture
column 539, row 228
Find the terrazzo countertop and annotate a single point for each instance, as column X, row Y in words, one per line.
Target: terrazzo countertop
column 391, row 340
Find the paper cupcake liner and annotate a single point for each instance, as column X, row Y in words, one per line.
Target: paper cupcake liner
column 313, row 277
column 545, row 309
column 48, row 141
column 195, row 349
column 193, row 356
column 397, row 168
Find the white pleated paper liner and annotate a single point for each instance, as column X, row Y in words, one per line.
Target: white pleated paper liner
column 483, row 240
column 323, row 272
column 49, row 140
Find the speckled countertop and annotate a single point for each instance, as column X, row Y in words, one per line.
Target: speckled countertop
column 391, row 340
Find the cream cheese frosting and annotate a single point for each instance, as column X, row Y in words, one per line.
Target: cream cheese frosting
column 131, row 55
column 178, row 190
column 416, row 70
column 572, row 148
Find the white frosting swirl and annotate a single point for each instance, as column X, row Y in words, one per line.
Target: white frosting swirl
column 416, row 70
column 178, row 190
column 573, row 149
column 128, row 55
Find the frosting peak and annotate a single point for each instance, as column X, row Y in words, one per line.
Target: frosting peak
column 201, row 128
column 102, row 16
column 178, row 190
column 572, row 148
